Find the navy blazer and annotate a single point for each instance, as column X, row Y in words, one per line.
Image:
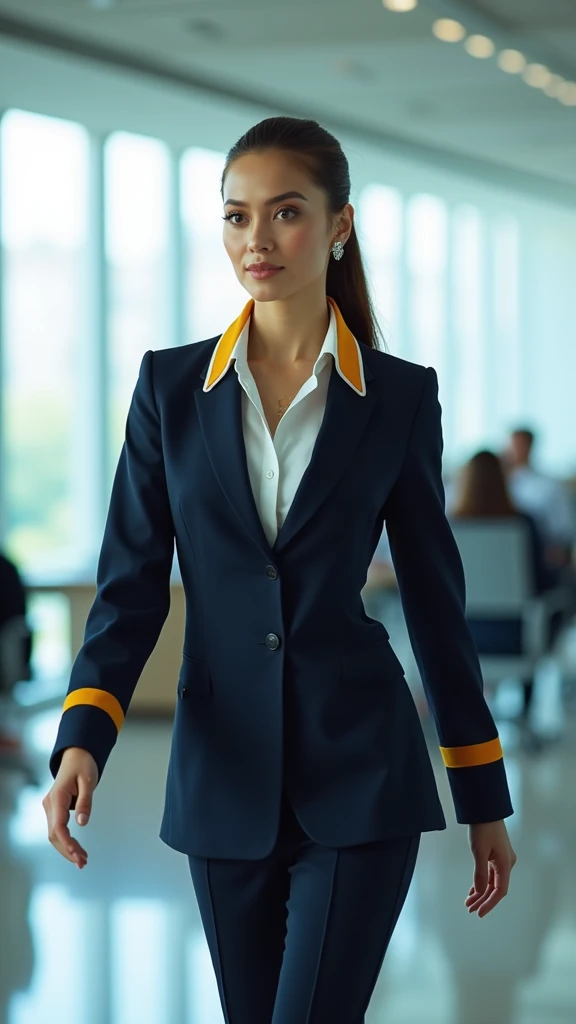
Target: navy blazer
column 285, row 679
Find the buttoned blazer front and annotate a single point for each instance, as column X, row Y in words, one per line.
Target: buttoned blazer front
column 285, row 680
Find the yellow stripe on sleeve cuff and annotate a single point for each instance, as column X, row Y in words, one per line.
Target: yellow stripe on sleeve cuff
column 477, row 753
column 98, row 699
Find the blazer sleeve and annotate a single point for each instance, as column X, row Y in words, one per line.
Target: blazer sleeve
column 432, row 589
column 133, row 588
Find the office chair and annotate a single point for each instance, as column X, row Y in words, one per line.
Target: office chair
column 497, row 559
column 14, row 641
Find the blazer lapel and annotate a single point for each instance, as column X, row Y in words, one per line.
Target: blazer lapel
column 220, row 415
column 345, row 419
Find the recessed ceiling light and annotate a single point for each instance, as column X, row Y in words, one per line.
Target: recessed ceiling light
column 448, row 30
column 511, row 61
column 400, row 5
column 479, row 46
column 553, row 86
column 567, row 94
column 536, row 75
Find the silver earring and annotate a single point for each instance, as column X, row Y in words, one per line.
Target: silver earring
column 337, row 250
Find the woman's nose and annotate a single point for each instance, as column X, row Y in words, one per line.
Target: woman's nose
column 259, row 237
column 257, row 244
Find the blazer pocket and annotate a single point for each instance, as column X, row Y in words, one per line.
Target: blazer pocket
column 375, row 663
column 194, row 679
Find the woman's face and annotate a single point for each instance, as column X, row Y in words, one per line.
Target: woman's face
column 295, row 232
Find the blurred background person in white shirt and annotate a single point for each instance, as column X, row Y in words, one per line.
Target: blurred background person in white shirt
column 541, row 496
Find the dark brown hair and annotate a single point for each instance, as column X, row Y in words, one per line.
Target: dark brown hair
column 482, row 489
column 322, row 157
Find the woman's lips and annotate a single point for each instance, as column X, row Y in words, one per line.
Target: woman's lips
column 261, row 274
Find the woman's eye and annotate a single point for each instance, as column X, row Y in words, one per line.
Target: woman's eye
column 284, row 209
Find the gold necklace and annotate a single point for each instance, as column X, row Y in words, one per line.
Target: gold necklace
column 283, row 404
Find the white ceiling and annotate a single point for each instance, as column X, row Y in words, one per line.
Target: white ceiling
column 534, row 14
column 350, row 60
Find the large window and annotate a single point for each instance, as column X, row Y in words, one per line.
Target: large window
column 137, row 243
column 426, row 230
column 44, row 218
column 212, row 293
column 381, row 237
column 468, row 380
column 505, row 380
column 446, row 284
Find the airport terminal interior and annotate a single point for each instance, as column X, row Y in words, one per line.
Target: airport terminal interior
column 458, row 120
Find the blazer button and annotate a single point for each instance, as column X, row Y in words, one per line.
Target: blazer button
column 272, row 641
column 271, row 572
column 184, row 692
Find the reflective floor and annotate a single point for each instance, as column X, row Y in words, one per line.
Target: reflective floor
column 121, row 942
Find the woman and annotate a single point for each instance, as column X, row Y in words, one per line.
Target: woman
column 299, row 781
column 483, row 494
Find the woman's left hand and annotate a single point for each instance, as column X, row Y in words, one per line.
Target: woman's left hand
column 494, row 859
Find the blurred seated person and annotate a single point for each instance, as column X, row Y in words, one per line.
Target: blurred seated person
column 12, row 605
column 481, row 493
column 547, row 500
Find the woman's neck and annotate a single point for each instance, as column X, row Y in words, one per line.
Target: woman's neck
column 286, row 331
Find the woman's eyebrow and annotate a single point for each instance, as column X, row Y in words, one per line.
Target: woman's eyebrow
column 268, row 202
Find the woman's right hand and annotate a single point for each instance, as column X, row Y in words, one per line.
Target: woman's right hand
column 76, row 777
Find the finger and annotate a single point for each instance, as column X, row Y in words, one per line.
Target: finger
column 69, row 847
column 57, row 812
column 84, row 801
column 474, row 898
column 481, row 885
column 59, row 833
column 501, row 876
column 480, row 900
column 65, row 844
column 481, row 872
column 472, row 894
column 491, row 902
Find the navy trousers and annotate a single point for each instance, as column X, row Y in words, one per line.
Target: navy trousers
column 299, row 937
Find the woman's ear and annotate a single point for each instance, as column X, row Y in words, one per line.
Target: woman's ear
column 345, row 223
